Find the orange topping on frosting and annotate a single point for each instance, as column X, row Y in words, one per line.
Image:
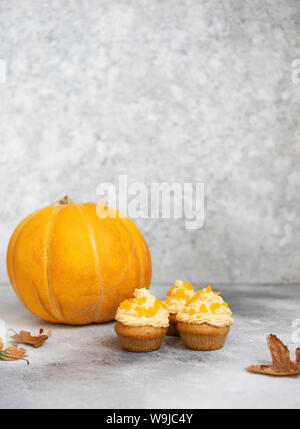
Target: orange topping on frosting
column 188, row 285
column 150, row 311
column 170, row 292
column 142, row 305
column 180, row 293
column 205, row 294
column 214, row 306
column 203, row 308
column 196, row 296
column 181, row 290
column 141, row 300
column 125, row 305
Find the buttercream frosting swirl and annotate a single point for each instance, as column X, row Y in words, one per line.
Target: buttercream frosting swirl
column 206, row 307
column 207, row 295
column 178, row 296
column 143, row 310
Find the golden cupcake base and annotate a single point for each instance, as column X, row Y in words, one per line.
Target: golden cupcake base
column 140, row 339
column 172, row 330
column 202, row 337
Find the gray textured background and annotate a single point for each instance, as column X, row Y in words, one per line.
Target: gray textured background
column 160, row 90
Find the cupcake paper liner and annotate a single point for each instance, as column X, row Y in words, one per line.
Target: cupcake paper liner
column 141, row 338
column 202, row 337
column 172, row 330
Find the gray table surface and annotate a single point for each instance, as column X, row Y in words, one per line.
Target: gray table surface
column 84, row 367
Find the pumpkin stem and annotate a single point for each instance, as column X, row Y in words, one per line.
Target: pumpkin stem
column 65, row 200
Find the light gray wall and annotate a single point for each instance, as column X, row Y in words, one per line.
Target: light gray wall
column 160, row 90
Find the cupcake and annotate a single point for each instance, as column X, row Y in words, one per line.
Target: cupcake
column 177, row 298
column 141, row 322
column 205, row 321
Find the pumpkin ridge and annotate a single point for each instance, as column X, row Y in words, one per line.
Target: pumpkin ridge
column 54, row 309
column 43, row 305
column 96, row 259
column 147, row 253
column 61, row 309
column 115, row 303
column 136, row 250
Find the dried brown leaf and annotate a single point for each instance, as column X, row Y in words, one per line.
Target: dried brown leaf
column 270, row 370
column 26, row 337
column 282, row 364
column 12, row 353
column 280, row 353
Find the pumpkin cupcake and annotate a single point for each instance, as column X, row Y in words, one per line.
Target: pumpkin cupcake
column 205, row 321
column 177, row 298
column 141, row 322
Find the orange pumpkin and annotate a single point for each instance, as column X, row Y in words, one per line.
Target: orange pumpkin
column 74, row 263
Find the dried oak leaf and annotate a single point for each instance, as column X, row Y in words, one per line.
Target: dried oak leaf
column 12, row 353
column 26, row 337
column 282, row 364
